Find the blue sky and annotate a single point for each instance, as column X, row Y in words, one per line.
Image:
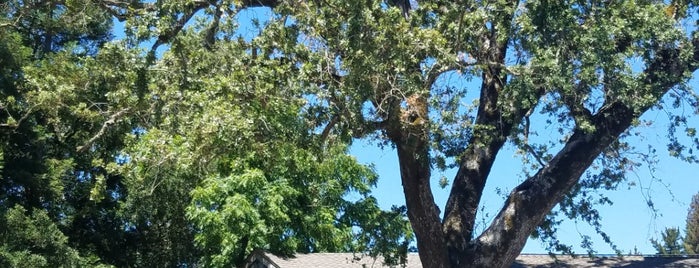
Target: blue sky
column 629, row 222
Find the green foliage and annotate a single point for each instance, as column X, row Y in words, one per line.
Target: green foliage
column 33, row 240
column 133, row 163
column 46, row 26
column 691, row 237
column 244, row 150
column 671, row 243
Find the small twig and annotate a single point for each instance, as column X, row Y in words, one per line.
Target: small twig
column 526, row 139
column 18, row 122
column 13, row 24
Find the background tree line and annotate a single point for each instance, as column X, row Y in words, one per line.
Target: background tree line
column 672, row 242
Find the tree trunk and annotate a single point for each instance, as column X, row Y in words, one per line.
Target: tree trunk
column 422, row 211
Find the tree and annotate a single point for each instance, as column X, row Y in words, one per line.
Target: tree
column 671, row 242
column 691, row 238
column 35, row 241
column 45, row 85
column 235, row 154
column 589, row 69
column 100, row 146
column 258, row 126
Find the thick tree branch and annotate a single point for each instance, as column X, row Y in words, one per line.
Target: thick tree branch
column 492, row 129
column 368, row 127
column 210, row 38
column 135, row 7
column 122, row 10
column 422, row 211
column 326, row 131
column 412, row 144
column 171, row 33
column 529, row 202
column 259, row 3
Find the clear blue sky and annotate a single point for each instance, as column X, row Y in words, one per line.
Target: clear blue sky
column 629, row 222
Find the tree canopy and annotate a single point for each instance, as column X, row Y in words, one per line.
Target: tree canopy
column 185, row 142
column 194, row 158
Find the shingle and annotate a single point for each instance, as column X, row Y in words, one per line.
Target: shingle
column 358, row 260
column 544, row 261
column 338, row 260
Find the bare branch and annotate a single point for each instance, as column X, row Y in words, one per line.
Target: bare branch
column 531, row 150
column 329, row 127
column 210, row 38
column 111, row 121
column 172, row 33
column 12, row 24
column 19, row 122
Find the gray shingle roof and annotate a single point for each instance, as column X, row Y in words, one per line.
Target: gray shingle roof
column 358, row 260
column 544, row 261
column 337, row 260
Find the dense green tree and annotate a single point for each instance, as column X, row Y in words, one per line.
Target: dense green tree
column 691, row 234
column 33, row 240
column 191, row 159
column 65, row 95
column 671, row 243
column 52, row 103
column 229, row 140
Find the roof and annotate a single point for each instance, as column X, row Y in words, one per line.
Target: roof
column 633, row 261
column 333, row 260
column 260, row 259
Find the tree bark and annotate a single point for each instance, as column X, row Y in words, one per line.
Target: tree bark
column 531, row 201
column 493, row 128
column 470, row 179
column 423, row 213
column 408, row 131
